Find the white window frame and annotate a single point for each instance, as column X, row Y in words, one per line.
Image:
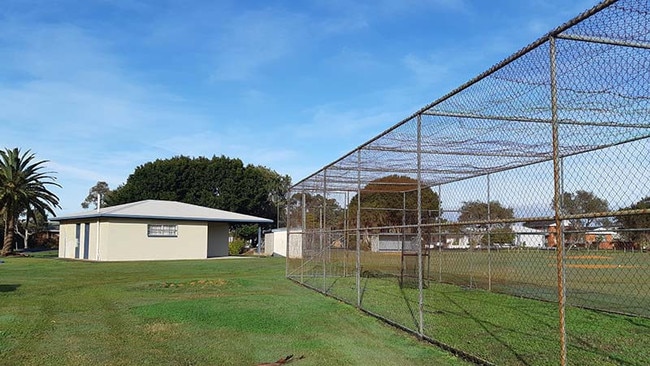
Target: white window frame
column 162, row 231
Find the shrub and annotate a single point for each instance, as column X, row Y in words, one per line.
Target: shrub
column 236, row 247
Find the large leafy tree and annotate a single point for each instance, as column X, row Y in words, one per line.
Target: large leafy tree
column 393, row 200
column 583, row 202
column 219, row 182
column 477, row 211
column 317, row 210
column 637, row 227
column 101, row 190
column 24, row 188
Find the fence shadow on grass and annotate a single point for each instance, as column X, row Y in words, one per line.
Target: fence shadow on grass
column 328, row 289
column 585, row 345
column 8, row 288
column 408, row 305
column 482, row 323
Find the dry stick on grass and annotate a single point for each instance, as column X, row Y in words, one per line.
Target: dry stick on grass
column 281, row 361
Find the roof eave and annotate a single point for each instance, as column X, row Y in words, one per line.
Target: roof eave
column 178, row 218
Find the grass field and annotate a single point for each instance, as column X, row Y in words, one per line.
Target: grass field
column 506, row 329
column 210, row 312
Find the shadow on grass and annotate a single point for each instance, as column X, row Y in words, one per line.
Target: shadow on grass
column 583, row 343
column 587, row 346
column 577, row 341
column 331, row 286
column 8, row 288
column 366, row 279
column 411, row 310
column 483, row 324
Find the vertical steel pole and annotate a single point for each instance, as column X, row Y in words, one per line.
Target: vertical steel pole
column 489, row 234
column 99, row 219
column 559, row 230
column 439, row 233
column 303, row 236
column 346, row 235
column 419, row 240
column 403, row 260
column 324, row 243
column 358, row 263
column 288, row 235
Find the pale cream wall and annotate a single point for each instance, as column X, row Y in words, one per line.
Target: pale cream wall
column 71, row 247
column 276, row 243
column 269, row 243
column 295, row 245
column 126, row 239
column 66, row 240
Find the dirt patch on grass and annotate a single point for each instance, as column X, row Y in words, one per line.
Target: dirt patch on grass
column 588, row 257
column 596, row 266
column 157, row 328
column 196, row 283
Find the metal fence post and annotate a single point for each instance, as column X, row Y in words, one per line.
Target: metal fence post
column 358, row 263
column 489, row 234
column 419, row 240
column 559, row 236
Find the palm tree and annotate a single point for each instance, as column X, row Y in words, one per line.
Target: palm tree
column 23, row 187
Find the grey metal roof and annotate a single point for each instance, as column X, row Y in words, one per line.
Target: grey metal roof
column 169, row 210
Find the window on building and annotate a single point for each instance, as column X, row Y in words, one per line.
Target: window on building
column 162, row 230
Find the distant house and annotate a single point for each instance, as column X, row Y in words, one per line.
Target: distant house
column 602, row 238
column 599, row 238
column 148, row 230
column 529, row 237
column 551, row 240
column 48, row 236
column 393, row 242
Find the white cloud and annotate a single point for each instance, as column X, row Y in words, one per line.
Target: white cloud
column 346, row 124
column 343, row 24
column 254, row 39
column 365, row 12
column 68, row 98
column 402, row 6
column 428, row 70
column 357, row 61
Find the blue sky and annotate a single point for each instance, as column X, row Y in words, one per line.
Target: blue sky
column 99, row 87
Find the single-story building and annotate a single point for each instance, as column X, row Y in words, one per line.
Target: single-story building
column 602, row 238
column 527, row 237
column 393, row 242
column 275, row 243
column 148, row 230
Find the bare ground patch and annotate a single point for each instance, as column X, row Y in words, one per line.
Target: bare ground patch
column 595, row 266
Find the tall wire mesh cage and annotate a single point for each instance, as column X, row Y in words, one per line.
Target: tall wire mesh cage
column 531, row 180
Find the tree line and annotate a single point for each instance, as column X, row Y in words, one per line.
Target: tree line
column 391, row 201
column 225, row 183
column 219, row 182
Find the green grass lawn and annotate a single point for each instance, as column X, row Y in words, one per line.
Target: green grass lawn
column 506, row 329
column 210, row 312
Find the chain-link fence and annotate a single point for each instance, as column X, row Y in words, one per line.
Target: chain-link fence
column 531, row 180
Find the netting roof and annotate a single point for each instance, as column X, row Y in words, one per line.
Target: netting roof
column 591, row 76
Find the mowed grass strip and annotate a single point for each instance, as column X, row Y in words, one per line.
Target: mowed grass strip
column 506, row 329
column 211, row 312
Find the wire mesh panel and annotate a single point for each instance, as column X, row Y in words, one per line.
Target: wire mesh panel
column 531, row 180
